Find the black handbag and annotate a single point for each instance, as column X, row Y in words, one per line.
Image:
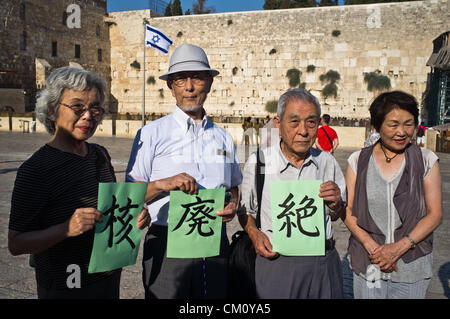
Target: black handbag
column 241, row 260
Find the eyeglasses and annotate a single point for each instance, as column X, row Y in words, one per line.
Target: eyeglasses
column 196, row 79
column 96, row 110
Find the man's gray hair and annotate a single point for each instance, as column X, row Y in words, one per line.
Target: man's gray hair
column 48, row 99
column 296, row 94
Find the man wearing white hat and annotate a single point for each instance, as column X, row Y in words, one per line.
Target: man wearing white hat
column 184, row 151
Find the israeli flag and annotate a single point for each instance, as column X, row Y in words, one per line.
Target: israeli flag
column 157, row 39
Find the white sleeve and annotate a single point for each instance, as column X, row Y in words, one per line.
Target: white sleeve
column 353, row 161
column 249, row 201
column 429, row 159
column 236, row 175
column 140, row 163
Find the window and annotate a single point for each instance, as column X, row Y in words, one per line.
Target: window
column 54, row 48
column 99, row 55
column 64, row 18
column 77, row 51
column 22, row 11
column 23, row 41
column 97, row 30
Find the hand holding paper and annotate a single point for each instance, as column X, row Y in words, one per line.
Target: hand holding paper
column 194, row 226
column 331, row 194
column 117, row 239
column 298, row 222
column 82, row 220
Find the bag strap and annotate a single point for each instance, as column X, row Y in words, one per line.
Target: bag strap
column 259, row 181
column 331, row 142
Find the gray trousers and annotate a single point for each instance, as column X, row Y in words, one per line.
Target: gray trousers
column 306, row 277
column 181, row 278
column 386, row 289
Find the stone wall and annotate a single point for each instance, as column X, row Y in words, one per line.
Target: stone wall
column 41, row 22
column 254, row 50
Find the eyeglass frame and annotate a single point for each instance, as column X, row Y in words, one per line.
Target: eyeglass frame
column 83, row 110
column 197, row 78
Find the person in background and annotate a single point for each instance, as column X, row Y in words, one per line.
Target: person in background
column 372, row 138
column 394, row 205
column 54, row 200
column 420, row 136
column 327, row 139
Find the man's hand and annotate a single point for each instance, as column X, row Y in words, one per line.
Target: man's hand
column 182, row 181
column 143, row 219
column 228, row 212
column 331, row 194
column 262, row 243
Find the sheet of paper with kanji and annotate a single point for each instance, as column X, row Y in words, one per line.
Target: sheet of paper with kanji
column 117, row 239
column 194, row 227
column 297, row 218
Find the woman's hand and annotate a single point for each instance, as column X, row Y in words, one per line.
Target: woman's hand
column 82, row 220
column 387, row 255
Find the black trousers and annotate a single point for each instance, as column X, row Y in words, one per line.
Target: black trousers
column 181, row 278
column 107, row 288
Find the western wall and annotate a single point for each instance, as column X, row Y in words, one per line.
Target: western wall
column 253, row 51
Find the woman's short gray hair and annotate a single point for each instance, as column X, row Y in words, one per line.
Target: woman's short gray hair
column 296, row 94
column 48, row 99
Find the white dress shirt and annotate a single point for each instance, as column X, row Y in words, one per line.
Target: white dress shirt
column 176, row 144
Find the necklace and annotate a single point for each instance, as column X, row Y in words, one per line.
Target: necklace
column 388, row 159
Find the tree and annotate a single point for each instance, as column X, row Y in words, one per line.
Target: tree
column 176, row 8
column 326, row 3
column 168, row 11
column 286, row 4
column 200, row 8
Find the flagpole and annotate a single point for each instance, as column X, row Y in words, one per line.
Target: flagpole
column 143, row 78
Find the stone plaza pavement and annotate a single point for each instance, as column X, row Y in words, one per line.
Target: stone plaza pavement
column 17, row 279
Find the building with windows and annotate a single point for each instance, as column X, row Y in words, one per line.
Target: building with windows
column 40, row 35
column 437, row 96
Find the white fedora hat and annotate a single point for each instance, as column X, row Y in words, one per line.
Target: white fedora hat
column 188, row 57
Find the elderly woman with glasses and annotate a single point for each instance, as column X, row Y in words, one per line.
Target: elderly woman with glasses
column 53, row 205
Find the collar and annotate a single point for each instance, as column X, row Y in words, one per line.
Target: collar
column 284, row 162
column 185, row 121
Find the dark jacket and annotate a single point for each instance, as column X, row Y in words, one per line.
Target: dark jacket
column 409, row 200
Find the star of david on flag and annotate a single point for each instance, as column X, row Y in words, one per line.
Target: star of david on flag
column 157, row 39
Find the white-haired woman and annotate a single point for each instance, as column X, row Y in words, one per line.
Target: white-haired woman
column 53, row 205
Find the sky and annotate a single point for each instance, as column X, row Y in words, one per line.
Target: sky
column 220, row 5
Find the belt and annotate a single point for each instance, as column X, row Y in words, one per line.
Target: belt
column 329, row 244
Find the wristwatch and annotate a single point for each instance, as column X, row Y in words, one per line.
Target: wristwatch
column 339, row 206
column 413, row 243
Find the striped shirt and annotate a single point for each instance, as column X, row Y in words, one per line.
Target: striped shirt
column 49, row 187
